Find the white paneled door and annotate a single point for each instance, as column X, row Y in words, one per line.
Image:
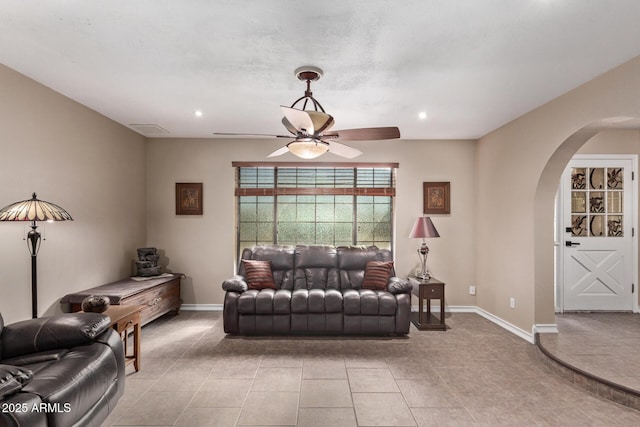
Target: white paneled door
column 597, row 234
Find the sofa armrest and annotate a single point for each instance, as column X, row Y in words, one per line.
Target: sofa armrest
column 235, row 284
column 398, row 285
column 49, row 333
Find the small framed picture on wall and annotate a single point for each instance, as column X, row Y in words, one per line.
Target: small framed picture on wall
column 436, row 197
column 188, row 198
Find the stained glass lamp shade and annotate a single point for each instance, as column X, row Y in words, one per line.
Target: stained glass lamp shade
column 34, row 210
column 423, row 228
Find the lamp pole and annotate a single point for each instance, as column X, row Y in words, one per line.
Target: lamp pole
column 33, row 242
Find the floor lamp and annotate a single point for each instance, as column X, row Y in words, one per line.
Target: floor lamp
column 34, row 210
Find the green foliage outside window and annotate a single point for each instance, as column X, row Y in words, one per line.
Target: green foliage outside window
column 306, row 205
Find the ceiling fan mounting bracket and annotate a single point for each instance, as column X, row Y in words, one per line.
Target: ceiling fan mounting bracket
column 308, row 73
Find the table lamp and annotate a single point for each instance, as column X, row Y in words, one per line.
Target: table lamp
column 423, row 228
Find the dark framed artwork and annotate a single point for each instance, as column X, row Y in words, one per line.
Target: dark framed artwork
column 188, row 198
column 436, row 197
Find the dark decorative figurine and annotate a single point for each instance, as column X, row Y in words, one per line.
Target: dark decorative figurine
column 95, row 304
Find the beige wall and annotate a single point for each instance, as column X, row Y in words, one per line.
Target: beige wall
column 519, row 166
column 613, row 141
column 203, row 247
column 86, row 163
column 499, row 235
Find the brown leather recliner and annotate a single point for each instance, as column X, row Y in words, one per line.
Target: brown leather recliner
column 64, row 370
column 319, row 290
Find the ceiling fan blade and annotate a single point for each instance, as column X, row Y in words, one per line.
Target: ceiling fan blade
column 251, row 134
column 299, row 119
column 279, row 152
column 364, row 134
column 342, row 150
column 289, row 126
column 321, row 121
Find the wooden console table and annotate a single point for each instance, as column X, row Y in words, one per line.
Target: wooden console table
column 123, row 318
column 158, row 295
column 426, row 290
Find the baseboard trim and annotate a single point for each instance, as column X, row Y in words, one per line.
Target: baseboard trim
column 542, row 328
column 529, row 337
column 201, row 307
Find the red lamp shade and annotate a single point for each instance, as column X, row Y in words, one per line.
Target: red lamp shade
column 422, row 228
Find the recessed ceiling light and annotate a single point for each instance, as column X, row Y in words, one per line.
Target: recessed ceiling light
column 422, row 115
column 198, row 113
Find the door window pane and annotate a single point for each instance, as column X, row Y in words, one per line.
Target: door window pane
column 614, row 226
column 578, row 201
column 596, row 226
column 615, row 178
column 597, row 202
column 578, row 179
column 579, row 225
column 614, row 201
column 596, row 178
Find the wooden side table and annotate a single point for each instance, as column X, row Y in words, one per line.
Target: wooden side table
column 426, row 290
column 123, row 318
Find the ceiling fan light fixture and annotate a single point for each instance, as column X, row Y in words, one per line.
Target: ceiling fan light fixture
column 308, row 148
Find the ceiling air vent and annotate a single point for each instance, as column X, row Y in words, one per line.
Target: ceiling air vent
column 149, row 129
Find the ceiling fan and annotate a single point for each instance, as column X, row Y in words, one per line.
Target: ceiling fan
column 312, row 128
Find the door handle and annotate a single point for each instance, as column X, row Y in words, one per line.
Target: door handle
column 570, row 243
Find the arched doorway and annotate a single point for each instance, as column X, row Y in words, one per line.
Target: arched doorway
column 544, row 214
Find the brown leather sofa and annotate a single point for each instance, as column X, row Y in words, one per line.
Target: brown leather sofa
column 318, row 289
column 65, row 370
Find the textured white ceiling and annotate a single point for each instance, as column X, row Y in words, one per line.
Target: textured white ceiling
column 472, row 65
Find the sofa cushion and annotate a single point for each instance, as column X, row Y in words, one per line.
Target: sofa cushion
column 281, row 259
column 269, row 301
column 377, row 274
column 258, row 274
column 316, row 267
column 265, row 301
column 356, row 257
column 316, row 278
column 316, row 301
column 12, row 379
column 352, row 262
column 369, row 302
column 76, row 382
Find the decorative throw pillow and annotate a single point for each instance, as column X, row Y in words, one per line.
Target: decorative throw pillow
column 12, row 378
column 377, row 274
column 259, row 274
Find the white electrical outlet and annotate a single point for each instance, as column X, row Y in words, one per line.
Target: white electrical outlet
column 472, row 290
column 512, row 302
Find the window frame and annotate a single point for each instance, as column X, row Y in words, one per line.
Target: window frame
column 275, row 191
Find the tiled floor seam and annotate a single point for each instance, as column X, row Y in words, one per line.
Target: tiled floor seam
column 395, row 380
column 244, row 401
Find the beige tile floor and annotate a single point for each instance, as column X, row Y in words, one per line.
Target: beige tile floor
column 475, row 373
column 604, row 344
